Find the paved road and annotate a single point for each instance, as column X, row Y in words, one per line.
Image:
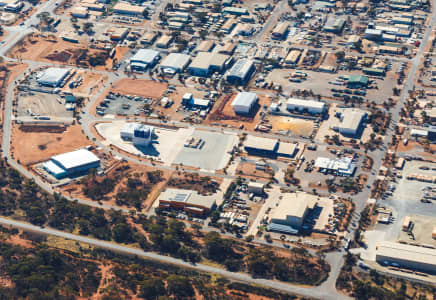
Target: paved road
column 304, row 291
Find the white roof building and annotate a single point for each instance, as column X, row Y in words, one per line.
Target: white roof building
column 244, row 102
column 52, row 76
column 75, row 159
column 341, row 166
column 144, row 58
column 350, row 120
column 312, row 106
column 175, row 61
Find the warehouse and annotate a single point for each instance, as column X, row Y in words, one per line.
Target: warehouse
column 128, row 131
column 204, row 46
column 237, row 11
column 187, row 200
column 334, row 25
column 406, row 256
column 350, row 121
column 241, row 71
column 164, row 41
column 260, row 146
column 79, row 12
column 244, row 102
column 71, row 163
column 206, row 63
column 256, row 188
column 176, row 62
column 340, row 166
column 311, row 106
column 280, row 31
column 293, row 57
column 287, row 149
column 143, row 59
column 148, row 38
column 53, row 77
column 357, row 81
column 291, row 212
column 125, row 8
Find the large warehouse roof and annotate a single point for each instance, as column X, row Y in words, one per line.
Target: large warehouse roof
column 293, row 204
column 246, row 99
column 241, row 68
column 205, row 60
column 177, row 61
column 407, row 252
column 188, row 197
column 75, row 159
column 147, row 56
column 260, row 143
column 351, row 118
column 306, row 103
column 52, row 75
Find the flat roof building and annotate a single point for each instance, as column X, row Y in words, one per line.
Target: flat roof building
column 334, row 24
column 406, row 256
column 241, row 71
column 164, row 41
column 53, row 77
column 340, row 166
column 280, row 31
column 260, row 146
column 206, row 63
column 187, row 200
column 311, row 106
column 350, row 121
column 292, row 210
column 244, row 102
column 71, row 163
column 175, row 61
column 142, row 135
column 204, row 46
column 293, row 57
column 357, row 81
column 148, row 38
column 125, row 8
column 144, row 59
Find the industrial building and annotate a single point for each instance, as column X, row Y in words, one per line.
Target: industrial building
column 142, row 135
column 334, row 24
column 53, row 77
column 256, row 188
column 188, row 100
column 293, row 57
column 340, row 166
column 164, row 41
column 280, row 31
column 244, row 102
column 406, row 256
column 176, row 62
column 187, row 200
column 125, row 8
column 350, row 121
column 71, row 163
column 241, row 71
column 204, row 46
column 311, row 106
column 143, row 59
column 357, row 81
column 148, row 38
column 287, row 149
column 260, row 146
column 288, row 216
column 206, row 63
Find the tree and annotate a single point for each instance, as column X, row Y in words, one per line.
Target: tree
column 340, row 55
column 152, row 288
column 87, row 27
column 180, row 286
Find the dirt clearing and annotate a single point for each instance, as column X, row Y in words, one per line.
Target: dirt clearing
column 139, row 87
column 34, row 144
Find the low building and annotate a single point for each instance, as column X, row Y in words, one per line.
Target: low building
column 128, row 131
column 164, row 41
column 226, row 48
column 117, row 33
column 334, row 24
column 176, row 62
column 53, row 77
column 237, row 11
column 241, row 71
column 142, row 135
column 143, row 59
column 206, row 63
column 244, row 102
column 340, row 166
column 353, row 40
column 301, row 105
column 228, row 25
column 280, row 31
column 287, row 149
column 373, row 34
column 291, row 212
column 406, row 256
column 260, row 146
column 357, row 81
column 350, row 121
column 14, row 7
column 204, row 46
column 256, row 188
column 125, row 8
column 187, row 200
column 293, row 57
column 79, row 12
column 196, row 103
column 148, row 38
column 72, row 163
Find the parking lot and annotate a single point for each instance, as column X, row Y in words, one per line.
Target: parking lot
column 116, row 104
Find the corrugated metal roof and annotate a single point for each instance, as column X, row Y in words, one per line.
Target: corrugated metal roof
column 245, row 99
column 75, row 159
